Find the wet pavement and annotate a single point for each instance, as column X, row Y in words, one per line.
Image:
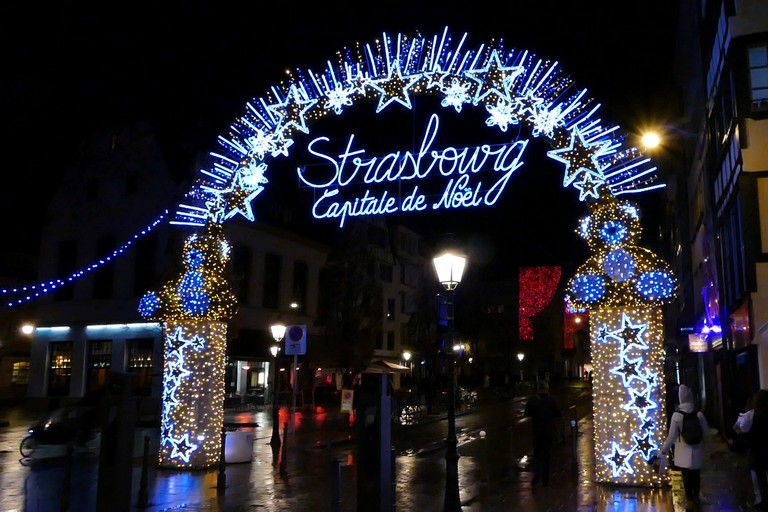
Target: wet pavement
column 316, row 469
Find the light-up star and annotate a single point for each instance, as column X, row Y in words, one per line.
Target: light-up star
column 529, row 104
column 602, row 334
column 648, row 425
column 435, row 78
column 494, row 79
column 456, row 94
column 589, row 186
column 628, row 370
column 619, row 460
column 280, row 145
column 641, row 402
column 291, row 110
column 394, row 88
column 182, row 448
column 579, row 156
column 239, row 201
column 646, row 445
column 630, row 334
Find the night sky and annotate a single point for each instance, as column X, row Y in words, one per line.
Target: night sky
column 189, row 68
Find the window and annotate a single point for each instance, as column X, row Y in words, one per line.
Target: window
column 241, row 270
column 385, row 272
column 99, row 363
column 140, row 362
column 20, row 373
column 66, row 266
column 103, row 284
column 390, row 340
column 391, row 307
column 758, row 76
column 300, row 275
column 272, row 267
column 60, row 368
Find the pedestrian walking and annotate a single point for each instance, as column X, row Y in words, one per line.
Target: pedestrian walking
column 757, row 447
column 545, row 417
column 688, row 458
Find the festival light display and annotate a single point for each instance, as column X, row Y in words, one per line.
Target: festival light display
column 537, row 287
column 623, row 287
column 194, row 310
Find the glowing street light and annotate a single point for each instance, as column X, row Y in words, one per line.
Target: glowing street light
column 449, row 267
column 278, row 332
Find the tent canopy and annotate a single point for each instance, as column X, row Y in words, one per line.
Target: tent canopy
column 384, row 366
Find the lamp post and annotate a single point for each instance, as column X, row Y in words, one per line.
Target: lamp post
column 278, row 332
column 520, row 357
column 449, row 267
column 407, row 360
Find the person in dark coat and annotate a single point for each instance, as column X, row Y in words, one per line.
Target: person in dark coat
column 545, row 419
column 757, row 446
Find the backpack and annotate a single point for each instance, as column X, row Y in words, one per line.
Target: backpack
column 691, row 433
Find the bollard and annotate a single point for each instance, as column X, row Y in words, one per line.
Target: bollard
column 485, row 460
column 284, row 449
column 221, row 480
column 336, row 474
column 64, row 503
column 574, row 442
column 143, row 501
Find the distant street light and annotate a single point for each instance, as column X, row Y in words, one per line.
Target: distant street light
column 278, row 332
column 520, row 357
column 449, row 267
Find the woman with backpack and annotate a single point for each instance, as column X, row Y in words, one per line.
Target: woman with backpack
column 689, row 458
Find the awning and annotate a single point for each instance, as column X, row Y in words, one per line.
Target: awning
column 384, row 366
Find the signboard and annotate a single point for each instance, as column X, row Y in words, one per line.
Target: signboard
column 347, row 395
column 696, row 343
column 296, row 340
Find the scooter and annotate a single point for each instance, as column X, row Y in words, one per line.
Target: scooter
column 58, row 431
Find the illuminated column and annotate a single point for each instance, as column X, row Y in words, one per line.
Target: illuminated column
column 194, row 309
column 623, row 286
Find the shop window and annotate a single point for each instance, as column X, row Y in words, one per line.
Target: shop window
column 758, row 77
column 20, row 373
column 99, row 363
column 60, row 368
column 140, row 362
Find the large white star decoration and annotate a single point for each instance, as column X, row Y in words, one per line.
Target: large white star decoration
column 435, row 78
column 394, row 88
column 291, row 111
column 630, row 334
column 580, row 156
column 529, row 104
column 495, row 79
column 646, row 445
column 182, row 448
column 239, row 200
column 641, row 402
column 628, row 370
column 619, row 460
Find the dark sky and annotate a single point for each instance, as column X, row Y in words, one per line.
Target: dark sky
column 189, row 67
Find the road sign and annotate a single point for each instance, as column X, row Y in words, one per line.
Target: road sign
column 296, row 340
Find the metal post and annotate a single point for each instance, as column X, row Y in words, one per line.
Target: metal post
column 275, row 441
column 452, row 501
column 336, row 474
column 221, row 480
column 285, row 449
column 295, row 383
column 143, row 501
column 574, row 441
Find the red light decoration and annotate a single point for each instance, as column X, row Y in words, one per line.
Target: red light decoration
column 537, row 287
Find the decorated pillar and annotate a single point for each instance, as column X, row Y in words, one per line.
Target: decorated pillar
column 623, row 286
column 194, row 309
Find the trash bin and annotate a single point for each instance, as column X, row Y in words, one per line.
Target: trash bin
column 238, row 445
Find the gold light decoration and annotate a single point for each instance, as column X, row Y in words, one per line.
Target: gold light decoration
column 194, row 309
column 623, row 286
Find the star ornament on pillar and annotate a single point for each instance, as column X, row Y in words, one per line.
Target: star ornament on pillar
column 589, row 186
column 619, row 461
column 646, row 445
column 495, row 79
column 580, row 156
column 630, row 334
column 641, row 402
column 394, row 88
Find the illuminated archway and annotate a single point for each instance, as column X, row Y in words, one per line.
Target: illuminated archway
column 622, row 285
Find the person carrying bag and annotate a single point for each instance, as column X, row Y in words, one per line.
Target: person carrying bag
column 688, row 456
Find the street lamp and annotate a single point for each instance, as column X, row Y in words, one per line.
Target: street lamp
column 520, row 357
column 278, row 332
column 449, row 267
